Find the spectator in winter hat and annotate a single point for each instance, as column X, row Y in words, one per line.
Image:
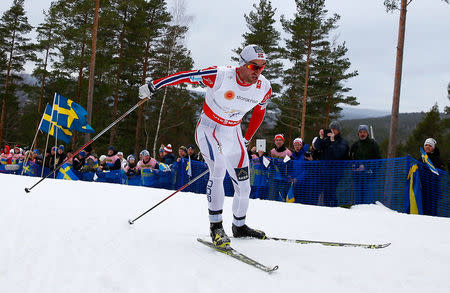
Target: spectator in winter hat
column 182, row 153
column 299, row 149
column 333, row 146
column 112, row 161
column 131, row 169
column 123, row 162
column 5, row 157
column 169, row 158
column 279, row 151
column 365, row 148
column 191, row 153
column 147, row 162
column 161, row 152
column 433, row 152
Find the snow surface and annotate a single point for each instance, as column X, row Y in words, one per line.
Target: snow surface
column 70, row 236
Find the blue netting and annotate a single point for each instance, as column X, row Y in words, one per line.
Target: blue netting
column 327, row 183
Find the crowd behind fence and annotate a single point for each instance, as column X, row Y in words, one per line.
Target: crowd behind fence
column 323, row 183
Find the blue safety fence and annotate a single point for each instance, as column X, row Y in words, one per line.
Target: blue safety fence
column 324, row 183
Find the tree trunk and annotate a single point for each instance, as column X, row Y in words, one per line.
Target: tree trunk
column 119, row 73
column 8, row 72
column 162, row 107
column 87, row 137
column 305, row 91
column 80, row 79
column 141, row 107
column 41, row 96
column 397, row 82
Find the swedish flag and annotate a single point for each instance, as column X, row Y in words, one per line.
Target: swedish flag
column 427, row 161
column 290, row 195
column 66, row 172
column 52, row 128
column 70, row 115
column 415, row 191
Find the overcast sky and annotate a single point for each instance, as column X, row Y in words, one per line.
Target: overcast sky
column 369, row 32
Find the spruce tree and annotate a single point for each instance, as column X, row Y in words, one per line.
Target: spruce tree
column 16, row 46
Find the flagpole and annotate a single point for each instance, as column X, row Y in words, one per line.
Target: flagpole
column 27, row 190
column 56, row 132
column 48, row 134
column 32, row 144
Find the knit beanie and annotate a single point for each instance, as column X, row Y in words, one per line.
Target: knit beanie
column 430, row 141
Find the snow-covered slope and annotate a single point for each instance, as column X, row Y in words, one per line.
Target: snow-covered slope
column 74, row 237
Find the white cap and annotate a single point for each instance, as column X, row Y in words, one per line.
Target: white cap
column 120, row 154
column 430, row 141
column 251, row 52
column 299, row 140
column 102, row 158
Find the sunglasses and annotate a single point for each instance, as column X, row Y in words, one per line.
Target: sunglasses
column 255, row 67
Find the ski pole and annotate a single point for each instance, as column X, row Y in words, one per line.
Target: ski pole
column 27, row 190
column 131, row 222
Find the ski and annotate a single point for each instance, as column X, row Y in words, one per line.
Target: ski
column 328, row 243
column 239, row 256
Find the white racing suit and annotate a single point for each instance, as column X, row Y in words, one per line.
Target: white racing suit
column 218, row 133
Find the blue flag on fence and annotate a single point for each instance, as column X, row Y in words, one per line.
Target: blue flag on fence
column 52, row 128
column 428, row 162
column 70, row 115
column 415, row 191
column 66, row 173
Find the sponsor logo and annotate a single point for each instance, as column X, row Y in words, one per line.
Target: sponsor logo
column 258, row 84
column 258, row 50
column 241, row 173
column 229, row 95
column 260, row 55
column 195, row 78
column 247, row 100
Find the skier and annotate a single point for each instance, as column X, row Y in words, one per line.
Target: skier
column 231, row 93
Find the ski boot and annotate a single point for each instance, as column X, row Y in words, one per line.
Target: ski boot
column 218, row 235
column 246, row 231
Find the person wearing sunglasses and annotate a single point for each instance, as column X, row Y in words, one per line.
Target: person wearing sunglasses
column 231, row 92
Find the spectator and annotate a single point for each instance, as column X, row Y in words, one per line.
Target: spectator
column 51, row 159
column 17, row 155
column 5, row 157
column 365, row 148
column 131, row 169
column 61, row 154
column 182, row 153
column 102, row 163
column 112, row 161
column 191, row 153
column 168, row 158
column 331, row 144
column 123, row 162
column 88, row 160
column 300, row 150
column 161, row 153
column 432, row 188
column 37, row 157
column 147, row 162
column 280, row 151
column 433, row 152
column 313, row 153
column 332, row 147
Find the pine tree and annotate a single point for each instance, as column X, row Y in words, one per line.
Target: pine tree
column 150, row 24
column 308, row 34
column 13, row 29
column 47, row 41
column 328, row 76
column 430, row 126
